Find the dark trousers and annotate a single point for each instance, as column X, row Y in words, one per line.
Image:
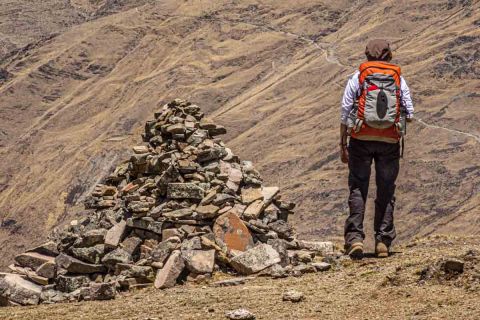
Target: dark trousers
column 387, row 158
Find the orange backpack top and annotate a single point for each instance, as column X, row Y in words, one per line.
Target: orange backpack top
column 378, row 115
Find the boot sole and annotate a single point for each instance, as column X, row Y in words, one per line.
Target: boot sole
column 382, row 255
column 356, row 253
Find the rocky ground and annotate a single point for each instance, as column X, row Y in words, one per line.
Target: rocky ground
column 411, row 284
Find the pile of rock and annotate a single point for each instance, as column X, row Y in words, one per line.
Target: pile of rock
column 182, row 207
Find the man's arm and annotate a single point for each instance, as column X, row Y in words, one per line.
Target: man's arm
column 406, row 99
column 349, row 96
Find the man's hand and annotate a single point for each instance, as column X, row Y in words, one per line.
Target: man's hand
column 343, row 143
column 344, row 153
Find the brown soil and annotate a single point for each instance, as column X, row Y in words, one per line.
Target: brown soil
column 373, row 288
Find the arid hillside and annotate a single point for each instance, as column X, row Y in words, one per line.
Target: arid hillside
column 79, row 78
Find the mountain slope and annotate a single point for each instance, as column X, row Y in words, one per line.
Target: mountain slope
column 272, row 72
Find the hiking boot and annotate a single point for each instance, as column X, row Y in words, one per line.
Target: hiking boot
column 381, row 250
column 355, row 251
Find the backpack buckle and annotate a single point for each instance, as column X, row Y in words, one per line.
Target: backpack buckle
column 358, row 125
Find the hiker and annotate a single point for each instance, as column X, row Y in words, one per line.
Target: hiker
column 376, row 105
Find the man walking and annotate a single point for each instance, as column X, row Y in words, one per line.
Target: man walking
column 375, row 106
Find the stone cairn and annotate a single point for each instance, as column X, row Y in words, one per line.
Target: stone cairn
column 181, row 208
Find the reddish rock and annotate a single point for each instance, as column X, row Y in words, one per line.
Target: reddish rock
column 232, row 232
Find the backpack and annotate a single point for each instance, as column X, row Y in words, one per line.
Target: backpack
column 378, row 114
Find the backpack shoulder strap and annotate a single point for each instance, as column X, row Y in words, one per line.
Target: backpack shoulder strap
column 370, row 67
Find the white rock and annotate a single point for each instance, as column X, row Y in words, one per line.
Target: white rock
column 256, row 259
column 240, row 314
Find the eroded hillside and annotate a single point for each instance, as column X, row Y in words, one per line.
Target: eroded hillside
column 74, row 94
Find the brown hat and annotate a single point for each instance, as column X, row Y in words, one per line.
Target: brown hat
column 378, row 49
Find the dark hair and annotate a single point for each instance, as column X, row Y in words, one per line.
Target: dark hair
column 385, row 58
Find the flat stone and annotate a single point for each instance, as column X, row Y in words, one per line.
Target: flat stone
column 283, row 229
column 131, row 244
column 49, row 296
column 146, row 223
column 230, row 230
column 103, row 204
column 48, row 248
column 275, row 271
column 268, row 194
column 281, row 247
column 322, row 247
column 74, row 265
column 47, row 270
column 199, row 261
column 209, row 197
column 177, row 128
column 251, row 194
column 134, row 271
column 232, row 282
column 254, row 210
column 172, row 232
column 194, row 243
column 234, row 179
column 303, row 268
column 256, row 259
column 293, row 296
column 240, row 314
column 91, row 238
column 162, row 251
column 207, row 211
column 322, row 266
column 32, row 260
column 68, row 283
column 31, row 275
column 171, row 174
column 178, row 214
column 115, row 234
column 116, row 256
column 168, row 275
column 93, row 254
column 210, row 154
column 185, row 191
column 140, row 149
column 18, row 290
column 102, row 291
column 270, row 213
column 304, row 256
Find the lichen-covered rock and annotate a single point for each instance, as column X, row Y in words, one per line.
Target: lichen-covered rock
column 18, row 290
column 256, row 259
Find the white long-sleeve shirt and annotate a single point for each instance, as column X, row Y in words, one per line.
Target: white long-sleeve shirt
column 352, row 91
